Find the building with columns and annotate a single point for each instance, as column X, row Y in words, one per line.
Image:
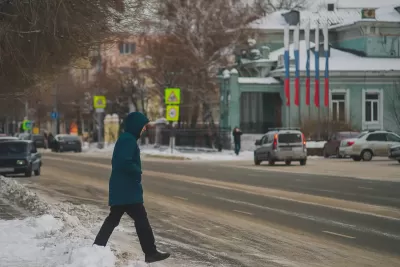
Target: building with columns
column 364, row 71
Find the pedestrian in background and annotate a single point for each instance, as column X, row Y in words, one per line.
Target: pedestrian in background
column 126, row 191
column 237, row 133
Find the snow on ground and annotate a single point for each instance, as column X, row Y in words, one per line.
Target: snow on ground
column 186, row 152
column 54, row 236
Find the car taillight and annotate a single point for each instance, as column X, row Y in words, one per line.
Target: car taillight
column 304, row 140
column 350, row 143
column 275, row 143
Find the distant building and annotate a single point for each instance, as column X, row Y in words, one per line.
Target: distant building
column 364, row 69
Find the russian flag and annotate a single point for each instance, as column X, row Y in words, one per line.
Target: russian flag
column 296, row 38
column 287, row 64
column 316, row 55
column 308, row 83
column 326, row 54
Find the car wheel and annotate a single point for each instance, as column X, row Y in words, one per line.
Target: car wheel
column 338, row 154
column 28, row 173
column 325, row 153
column 356, row 158
column 398, row 160
column 37, row 172
column 288, row 162
column 303, row 162
column 256, row 161
column 366, row 155
column 271, row 162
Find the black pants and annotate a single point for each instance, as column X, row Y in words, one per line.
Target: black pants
column 143, row 229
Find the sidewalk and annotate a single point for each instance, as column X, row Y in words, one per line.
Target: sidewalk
column 8, row 212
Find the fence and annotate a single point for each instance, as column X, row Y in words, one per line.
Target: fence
column 194, row 138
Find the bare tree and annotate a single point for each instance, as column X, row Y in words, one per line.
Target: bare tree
column 268, row 6
column 40, row 37
column 201, row 37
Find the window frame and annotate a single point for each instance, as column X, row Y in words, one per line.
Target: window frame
column 373, row 125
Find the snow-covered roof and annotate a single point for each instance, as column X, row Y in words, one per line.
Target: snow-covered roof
column 340, row 61
column 339, row 17
column 258, row 80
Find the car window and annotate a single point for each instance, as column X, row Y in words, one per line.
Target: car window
column 264, row 140
column 13, row 148
column 381, row 137
column 346, row 135
column 393, row 138
column 289, row 138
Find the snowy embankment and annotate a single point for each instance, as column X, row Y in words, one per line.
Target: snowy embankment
column 187, row 153
column 58, row 235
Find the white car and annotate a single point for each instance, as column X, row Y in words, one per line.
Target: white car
column 346, row 144
column 373, row 143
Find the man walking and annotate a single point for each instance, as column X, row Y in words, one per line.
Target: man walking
column 236, row 139
column 125, row 189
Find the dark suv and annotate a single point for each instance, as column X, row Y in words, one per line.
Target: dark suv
column 19, row 156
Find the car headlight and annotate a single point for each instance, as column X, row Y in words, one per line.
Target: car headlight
column 21, row 162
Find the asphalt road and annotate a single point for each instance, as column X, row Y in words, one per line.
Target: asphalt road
column 358, row 213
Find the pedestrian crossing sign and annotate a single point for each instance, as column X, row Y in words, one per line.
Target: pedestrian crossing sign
column 172, row 96
column 172, row 113
column 99, row 102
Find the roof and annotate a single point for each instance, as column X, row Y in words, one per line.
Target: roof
column 340, row 61
column 339, row 17
column 258, row 80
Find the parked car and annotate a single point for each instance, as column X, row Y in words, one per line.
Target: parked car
column 394, row 152
column 19, row 156
column 38, row 139
column 331, row 147
column 373, row 143
column 345, row 145
column 66, row 142
column 281, row 145
column 7, row 138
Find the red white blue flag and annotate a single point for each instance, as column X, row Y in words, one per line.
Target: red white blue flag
column 326, row 54
column 287, row 64
column 308, row 76
column 296, row 39
column 316, row 55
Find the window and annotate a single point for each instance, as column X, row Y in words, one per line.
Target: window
column 289, row 138
column 372, row 107
column 127, row 48
column 265, row 140
column 393, row 138
column 380, row 137
column 339, row 107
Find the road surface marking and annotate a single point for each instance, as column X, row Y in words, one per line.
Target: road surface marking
column 366, row 188
column 243, row 212
column 181, row 198
column 236, row 238
column 300, row 180
column 332, row 233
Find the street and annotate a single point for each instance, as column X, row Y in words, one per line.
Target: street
column 232, row 214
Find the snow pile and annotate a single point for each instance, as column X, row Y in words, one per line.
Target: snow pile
column 61, row 236
column 48, row 241
column 197, row 155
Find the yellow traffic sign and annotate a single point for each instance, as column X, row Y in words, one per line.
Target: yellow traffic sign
column 99, row 102
column 172, row 113
column 172, row 96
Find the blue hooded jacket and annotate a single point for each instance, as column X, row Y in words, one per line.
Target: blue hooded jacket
column 126, row 175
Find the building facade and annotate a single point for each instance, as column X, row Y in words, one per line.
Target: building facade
column 364, row 71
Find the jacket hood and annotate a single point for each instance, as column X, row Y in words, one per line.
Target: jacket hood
column 134, row 123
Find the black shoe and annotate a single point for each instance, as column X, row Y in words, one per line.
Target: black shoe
column 157, row 256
